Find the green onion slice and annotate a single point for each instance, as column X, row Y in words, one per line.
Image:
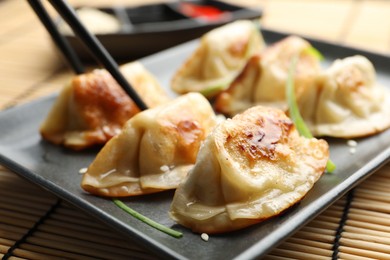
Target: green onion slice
column 314, row 52
column 213, row 90
column 292, row 104
column 294, row 110
column 147, row 220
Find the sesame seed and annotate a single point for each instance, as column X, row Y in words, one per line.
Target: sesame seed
column 205, row 237
column 352, row 143
column 83, row 170
column 164, row 168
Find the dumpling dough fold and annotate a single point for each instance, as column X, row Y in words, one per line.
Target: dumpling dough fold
column 93, row 107
column 220, row 56
column 263, row 79
column 250, row 168
column 154, row 151
column 347, row 102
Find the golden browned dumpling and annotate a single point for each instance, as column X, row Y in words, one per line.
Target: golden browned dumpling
column 154, row 151
column 250, row 168
column 348, row 101
column 221, row 55
column 93, row 107
column 263, row 80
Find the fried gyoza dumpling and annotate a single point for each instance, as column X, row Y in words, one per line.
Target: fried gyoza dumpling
column 154, row 151
column 250, row 168
column 93, row 107
column 263, row 80
column 349, row 103
column 221, row 55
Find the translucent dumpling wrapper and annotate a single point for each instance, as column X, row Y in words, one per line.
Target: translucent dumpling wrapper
column 263, row 80
column 154, row 151
column 250, row 168
column 348, row 102
column 93, row 107
column 220, row 56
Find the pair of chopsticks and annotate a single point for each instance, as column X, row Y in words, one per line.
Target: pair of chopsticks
column 89, row 40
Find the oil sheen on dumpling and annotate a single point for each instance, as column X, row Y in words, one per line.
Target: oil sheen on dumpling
column 221, row 55
column 250, row 168
column 263, row 80
column 93, row 107
column 350, row 103
column 154, row 151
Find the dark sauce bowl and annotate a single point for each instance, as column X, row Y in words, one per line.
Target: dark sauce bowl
column 147, row 29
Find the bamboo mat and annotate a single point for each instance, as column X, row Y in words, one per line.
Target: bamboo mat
column 359, row 223
column 36, row 225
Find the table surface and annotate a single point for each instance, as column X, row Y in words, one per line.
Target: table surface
column 31, row 67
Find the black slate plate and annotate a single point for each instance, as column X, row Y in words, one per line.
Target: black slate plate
column 56, row 169
column 150, row 28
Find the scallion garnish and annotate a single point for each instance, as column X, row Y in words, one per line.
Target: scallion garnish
column 330, row 166
column 314, row 52
column 292, row 103
column 213, row 90
column 294, row 110
column 147, row 220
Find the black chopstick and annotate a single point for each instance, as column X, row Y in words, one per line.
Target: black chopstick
column 96, row 48
column 57, row 37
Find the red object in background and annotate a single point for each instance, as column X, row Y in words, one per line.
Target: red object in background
column 208, row 12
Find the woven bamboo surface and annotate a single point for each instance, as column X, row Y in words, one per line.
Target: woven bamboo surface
column 30, row 67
